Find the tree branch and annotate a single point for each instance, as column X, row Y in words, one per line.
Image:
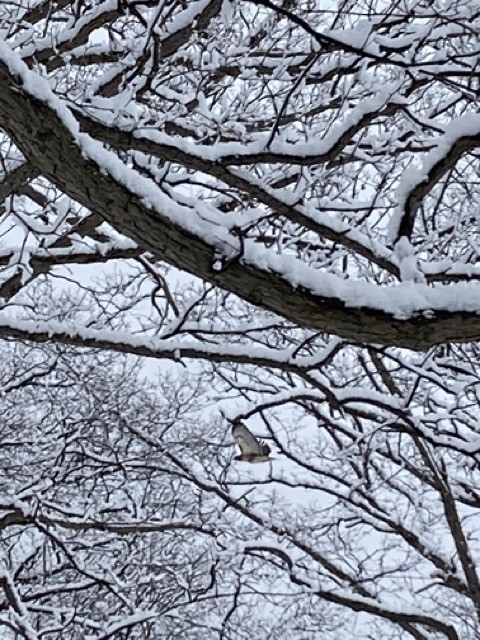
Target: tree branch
column 45, row 140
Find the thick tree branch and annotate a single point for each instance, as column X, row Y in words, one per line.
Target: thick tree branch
column 47, row 143
column 14, row 180
column 44, row 262
column 461, row 146
column 124, row 141
column 150, row 347
column 16, row 517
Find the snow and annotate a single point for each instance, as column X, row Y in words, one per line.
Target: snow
column 172, row 348
column 119, row 623
column 355, row 37
column 36, row 86
column 402, row 301
column 186, row 17
column 464, row 126
column 299, row 151
column 407, row 261
column 405, row 300
column 69, row 32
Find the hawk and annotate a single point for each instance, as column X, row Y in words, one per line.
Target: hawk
column 251, row 448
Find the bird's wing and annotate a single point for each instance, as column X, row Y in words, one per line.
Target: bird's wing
column 245, row 440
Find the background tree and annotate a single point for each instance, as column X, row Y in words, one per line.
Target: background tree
column 124, row 514
column 282, row 199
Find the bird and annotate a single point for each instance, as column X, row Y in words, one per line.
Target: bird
column 251, row 448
